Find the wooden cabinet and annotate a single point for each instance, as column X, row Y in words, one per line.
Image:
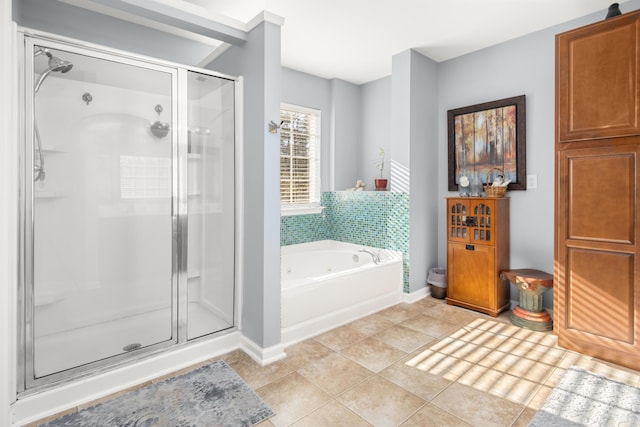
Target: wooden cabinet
column 597, row 80
column 596, row 295
column 477, row 250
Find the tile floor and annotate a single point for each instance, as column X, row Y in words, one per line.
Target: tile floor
column 421, row 364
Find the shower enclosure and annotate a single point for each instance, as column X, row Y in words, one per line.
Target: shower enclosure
column 129, row 213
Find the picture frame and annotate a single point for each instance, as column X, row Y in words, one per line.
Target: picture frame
column 490, row 139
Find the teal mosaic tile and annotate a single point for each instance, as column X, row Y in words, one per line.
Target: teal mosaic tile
column 303, row 229
column 370, row 218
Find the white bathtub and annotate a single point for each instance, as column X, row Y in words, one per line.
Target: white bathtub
column 326, row 284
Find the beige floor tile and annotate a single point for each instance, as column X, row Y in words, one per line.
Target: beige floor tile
column 455, row 315
column 402, row 338
column 540, row 397
column 436, row 363
column 460, row 349
column 428, row 325
column 305, row 352
column 335, row 373
column 418, row 382
column 371, row 324
column 428, row 303
column 550, row 356
column 236, row 356
column 333, row 414
column 397, row 313
column 257, row 376
column 513, row 388
column 517, row 365
column 381, row 402
column 373, row 354
column 468, row 334
column 472, row 405
column 265, row 423
column 292, row 398
column 525, row 418
column 339, row 338
column 432, row 416
column 494, row 326
column 486, row 339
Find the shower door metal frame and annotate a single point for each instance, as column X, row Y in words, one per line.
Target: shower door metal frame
column 27, row 39
column 26, row 381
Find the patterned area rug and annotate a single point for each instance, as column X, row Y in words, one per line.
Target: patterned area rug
column 586, row 399
column 213, row 395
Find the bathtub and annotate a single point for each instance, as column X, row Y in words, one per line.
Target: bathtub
column 326, row 284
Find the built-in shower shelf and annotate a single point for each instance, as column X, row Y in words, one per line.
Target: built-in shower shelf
column 194, row 193
column 49, row 195
column 194, row 156
column 193, row 274
column 53, row 149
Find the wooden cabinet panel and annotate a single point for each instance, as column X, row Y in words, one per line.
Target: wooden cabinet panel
column 596, row 293
column 600, row 193
column 471, row 280
column 477, row 250
column 597, row 80
column 600, row 283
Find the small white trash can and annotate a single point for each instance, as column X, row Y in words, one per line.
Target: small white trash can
column 438, row 279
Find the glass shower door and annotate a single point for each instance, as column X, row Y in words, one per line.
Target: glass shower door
column 102, row 273
column 211, row 204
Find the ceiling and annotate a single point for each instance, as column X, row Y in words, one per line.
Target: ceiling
column 354, row 40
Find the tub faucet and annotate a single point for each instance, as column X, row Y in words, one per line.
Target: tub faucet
column 376, row 257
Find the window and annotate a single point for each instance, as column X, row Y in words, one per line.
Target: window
column 299, row 159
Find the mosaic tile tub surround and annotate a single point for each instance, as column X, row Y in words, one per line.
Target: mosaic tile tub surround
column 371, row 218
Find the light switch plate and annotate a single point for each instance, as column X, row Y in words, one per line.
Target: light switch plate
column 532, row 181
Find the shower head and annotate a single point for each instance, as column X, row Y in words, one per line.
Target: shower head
column 55, row 65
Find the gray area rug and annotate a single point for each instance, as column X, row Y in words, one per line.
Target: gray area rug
column 582, row 398
column 213, row 395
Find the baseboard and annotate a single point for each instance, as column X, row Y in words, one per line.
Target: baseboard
column 262, row 356
column 310, row 328
column 416, row 295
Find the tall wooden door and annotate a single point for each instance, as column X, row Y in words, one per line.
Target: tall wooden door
column 597, row 146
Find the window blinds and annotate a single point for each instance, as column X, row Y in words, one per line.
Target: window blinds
column 299, row 156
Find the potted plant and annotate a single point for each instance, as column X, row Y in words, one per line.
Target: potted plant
column 381, row 183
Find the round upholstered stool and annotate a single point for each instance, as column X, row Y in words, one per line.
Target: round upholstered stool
column 532, row 283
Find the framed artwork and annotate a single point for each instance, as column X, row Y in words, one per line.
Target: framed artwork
column 488, row 139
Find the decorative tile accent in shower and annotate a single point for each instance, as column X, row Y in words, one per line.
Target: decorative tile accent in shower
column 369, row 218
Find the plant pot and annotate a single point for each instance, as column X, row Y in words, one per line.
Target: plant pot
column 381, row 184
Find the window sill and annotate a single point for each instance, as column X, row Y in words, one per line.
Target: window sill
column 301, row 210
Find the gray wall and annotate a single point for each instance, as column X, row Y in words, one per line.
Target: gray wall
column 258, row 61
column 414, row 154
column 345, row 142
column 423, row 165
column 375, row 127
